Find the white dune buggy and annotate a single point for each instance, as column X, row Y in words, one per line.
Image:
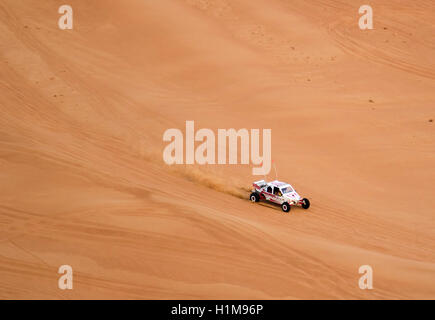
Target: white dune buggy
column 278, row 192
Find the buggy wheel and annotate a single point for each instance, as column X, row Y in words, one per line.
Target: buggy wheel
column 285, row 207
column 305, row 203
column 254, row 197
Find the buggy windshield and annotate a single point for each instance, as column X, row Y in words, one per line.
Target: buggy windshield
column 287, row 190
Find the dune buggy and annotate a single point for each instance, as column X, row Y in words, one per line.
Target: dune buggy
column 278, row 192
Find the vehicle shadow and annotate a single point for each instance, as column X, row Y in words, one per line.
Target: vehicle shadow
column 275, row 206
column 270, row 205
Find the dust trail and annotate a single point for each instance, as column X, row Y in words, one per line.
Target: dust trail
column 197, row 175
column 143, row 147
column 212, row 181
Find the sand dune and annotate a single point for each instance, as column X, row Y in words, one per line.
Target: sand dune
column 83, row 182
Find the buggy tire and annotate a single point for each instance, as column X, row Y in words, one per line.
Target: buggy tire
column 285, row 207
column 254, row 197
column 305, row 203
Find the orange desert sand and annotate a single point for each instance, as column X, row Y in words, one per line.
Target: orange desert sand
column 83, row 182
